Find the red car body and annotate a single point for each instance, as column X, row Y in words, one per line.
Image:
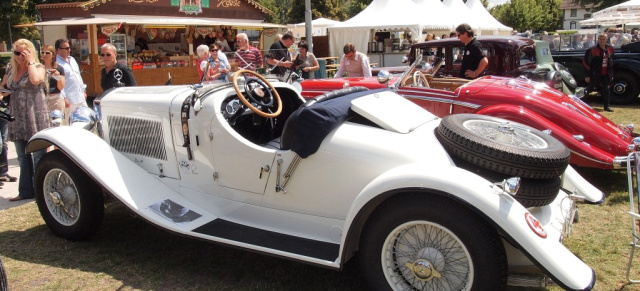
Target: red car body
column 594, row 140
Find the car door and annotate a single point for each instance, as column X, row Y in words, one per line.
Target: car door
column 241, row 164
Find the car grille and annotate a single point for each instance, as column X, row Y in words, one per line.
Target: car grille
column 137, row 136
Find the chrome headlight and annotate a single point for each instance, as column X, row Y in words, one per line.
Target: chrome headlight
column 83, row 117
column 566, row 75
column 579, row 92
column 383, row 76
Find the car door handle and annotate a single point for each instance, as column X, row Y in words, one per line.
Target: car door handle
column 264, row 169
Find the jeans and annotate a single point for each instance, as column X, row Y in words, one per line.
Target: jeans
column 27, row 164
column 4, row 159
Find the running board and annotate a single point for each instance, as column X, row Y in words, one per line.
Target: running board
column 287, row 243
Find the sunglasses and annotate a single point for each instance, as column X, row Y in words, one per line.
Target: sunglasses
column 64, row 48
column 17, row 53
column 46, row 53
column 108, row 55
column 213, row 50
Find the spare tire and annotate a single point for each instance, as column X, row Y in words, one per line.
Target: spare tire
column 532, row 192
column 503, row 146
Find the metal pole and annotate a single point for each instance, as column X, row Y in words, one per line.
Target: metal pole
column 308, row 27
column 10, row 46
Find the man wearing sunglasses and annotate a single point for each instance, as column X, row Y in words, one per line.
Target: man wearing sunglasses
column 74, row 88
column 114, row 73
column 473, row 60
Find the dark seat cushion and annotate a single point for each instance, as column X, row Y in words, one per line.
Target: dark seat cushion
column 307, row 127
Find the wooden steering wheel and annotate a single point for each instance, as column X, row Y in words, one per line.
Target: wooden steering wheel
column 259, row 91
column 420, row 80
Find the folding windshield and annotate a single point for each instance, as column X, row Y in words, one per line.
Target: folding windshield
column 527, row 55
column 543, row 52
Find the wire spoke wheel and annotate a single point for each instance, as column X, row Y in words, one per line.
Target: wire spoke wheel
column 506, row 132
column 421, row 255
column 69, row 201
column 61, row 197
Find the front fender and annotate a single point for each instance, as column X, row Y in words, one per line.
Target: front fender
column 118, row 175
column 500, row 209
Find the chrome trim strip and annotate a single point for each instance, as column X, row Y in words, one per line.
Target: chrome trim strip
column 619, row 162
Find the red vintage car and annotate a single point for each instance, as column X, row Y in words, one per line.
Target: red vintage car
column 594, row 140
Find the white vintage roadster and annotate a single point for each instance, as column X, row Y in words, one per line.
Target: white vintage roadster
column 350, row 173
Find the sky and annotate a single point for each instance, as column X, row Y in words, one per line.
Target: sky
column 496, row 2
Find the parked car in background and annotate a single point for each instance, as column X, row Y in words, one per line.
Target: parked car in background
column 356, row 172
column 625, row 86
column 594, row 140
column 509, row 56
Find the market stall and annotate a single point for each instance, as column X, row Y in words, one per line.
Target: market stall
column 159, row 41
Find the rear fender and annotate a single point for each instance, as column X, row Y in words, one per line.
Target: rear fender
column 500, row 209
column 628, row 64
column 583, row 154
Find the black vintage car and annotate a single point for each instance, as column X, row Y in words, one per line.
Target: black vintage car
column 510, row 56
column 625, row 87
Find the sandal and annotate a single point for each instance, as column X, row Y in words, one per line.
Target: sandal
column 17, row 198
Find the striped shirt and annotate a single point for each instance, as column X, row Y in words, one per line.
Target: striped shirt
column 250, row 59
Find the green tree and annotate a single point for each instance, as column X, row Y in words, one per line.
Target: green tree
column 332, row 9
column 356, row 6
column 530, row 15
column 281, row 8
column 22, row 12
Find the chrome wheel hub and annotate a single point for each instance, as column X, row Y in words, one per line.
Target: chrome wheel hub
column 619, row 88
column 423, row 268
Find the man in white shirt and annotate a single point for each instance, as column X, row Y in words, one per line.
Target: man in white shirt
column 74, row 88
column 353, row 63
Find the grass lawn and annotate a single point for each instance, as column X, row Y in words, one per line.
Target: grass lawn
column 130, row 254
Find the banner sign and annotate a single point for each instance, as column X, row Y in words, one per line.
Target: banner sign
column 109, row 29
column 270, row 32
column 190, row 6
column 228, row 3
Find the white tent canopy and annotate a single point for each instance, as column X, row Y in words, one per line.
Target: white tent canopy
column 436, row 16
column 488, row 22
column 319, row 27
column 622, row 13
column 462, row 13
column 412, row 16
column 392, row 15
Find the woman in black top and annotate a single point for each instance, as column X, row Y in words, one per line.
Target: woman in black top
column 55, row 74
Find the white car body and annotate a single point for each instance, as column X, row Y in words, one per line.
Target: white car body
column 230, row 185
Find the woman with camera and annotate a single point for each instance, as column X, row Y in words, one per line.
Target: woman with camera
column 56, row 78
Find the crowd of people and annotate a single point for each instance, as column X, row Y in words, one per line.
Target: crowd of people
column 34, row 84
